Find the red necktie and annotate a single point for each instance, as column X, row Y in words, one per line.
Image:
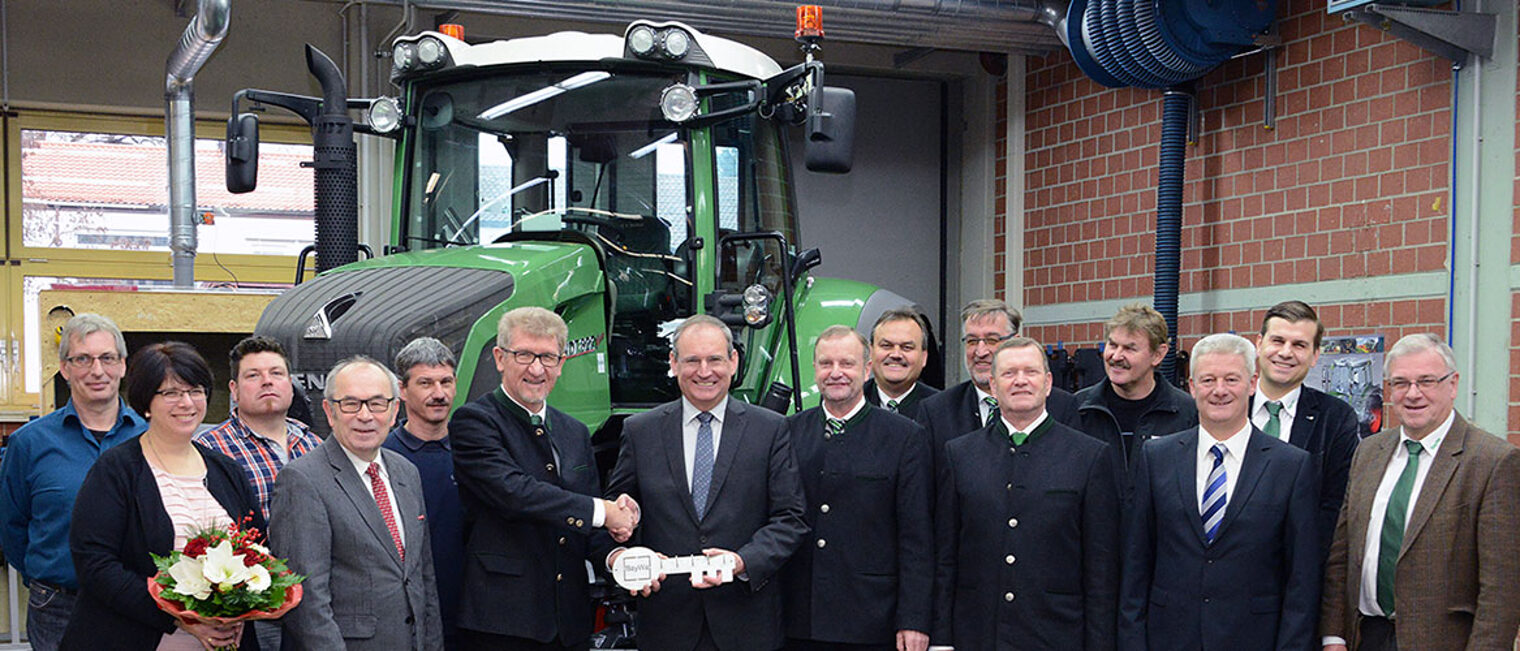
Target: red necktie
column 383, row 499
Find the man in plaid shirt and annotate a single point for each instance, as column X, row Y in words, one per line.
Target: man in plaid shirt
column 259, row 436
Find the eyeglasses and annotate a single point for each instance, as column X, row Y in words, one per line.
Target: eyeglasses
column 990, row 342
column 352, row 405
column 1400, row 385
column 176, row 395
column 549, row 360
column 83, row 362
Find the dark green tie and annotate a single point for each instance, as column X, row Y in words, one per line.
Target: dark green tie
column 833, row 427
column 992, row 412
column 892, row 406
column 1018, row 438
column 1392, row 538
column 535, row 420
column 1274, row 426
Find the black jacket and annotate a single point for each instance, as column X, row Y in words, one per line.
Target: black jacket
column 908, row 407
column 865, row 570
column 953, row 412
column 119, row 518
column 528, row 530
column 1028, row 543
column 1326, row 427
column 1173, row 411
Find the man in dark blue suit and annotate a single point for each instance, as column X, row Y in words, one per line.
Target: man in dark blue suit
column 1221, row 550
column 532, row 498
column 1027, row 524
column 1283, row 407
column 861, row 580
column 899, row 353
column 713, row 476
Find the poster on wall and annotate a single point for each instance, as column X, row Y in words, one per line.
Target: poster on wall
column 1351, row 368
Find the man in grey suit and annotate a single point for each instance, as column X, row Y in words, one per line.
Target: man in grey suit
column 349, row 516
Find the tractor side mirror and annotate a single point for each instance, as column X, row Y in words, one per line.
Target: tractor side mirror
column 242, row 149
column 831, row 130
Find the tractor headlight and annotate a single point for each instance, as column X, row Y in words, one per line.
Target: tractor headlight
column 678, row 103
column 384, row 114
column 641, row 40
column 430, row 51
column 404, row 56
column 757, row 305
column 677, row 43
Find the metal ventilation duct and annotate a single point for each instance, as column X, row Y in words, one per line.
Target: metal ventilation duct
column 1022, row 26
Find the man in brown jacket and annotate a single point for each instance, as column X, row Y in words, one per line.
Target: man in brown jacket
column 1425, row 555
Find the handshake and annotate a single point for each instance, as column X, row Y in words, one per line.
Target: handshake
column 622, row 517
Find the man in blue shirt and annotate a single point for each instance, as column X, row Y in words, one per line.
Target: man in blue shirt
column 46, row 461
column 426, row 368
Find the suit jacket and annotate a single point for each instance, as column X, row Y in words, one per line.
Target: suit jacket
column 908, row 406
column 119, row 519
column 755, row 508
column 1326, row 427
column 1457, row 583
column 954, row 411
column 866, row 569
column 1028, row 542
column 1255, row 587
column 359, row 593
column 528, row 521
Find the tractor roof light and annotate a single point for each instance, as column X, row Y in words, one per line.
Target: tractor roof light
column 678, row 103
column 383, row 114
column 404, row 56
column 431, row 52
column 454, row 30
column 641, row 40
column 676, row 44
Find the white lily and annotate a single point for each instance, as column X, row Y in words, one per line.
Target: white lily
column 189, row 579
column 223, row 568
column 258, row 579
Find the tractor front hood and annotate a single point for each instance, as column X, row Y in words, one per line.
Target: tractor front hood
column 374, row 307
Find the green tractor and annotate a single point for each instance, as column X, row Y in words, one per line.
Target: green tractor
column 624, row 182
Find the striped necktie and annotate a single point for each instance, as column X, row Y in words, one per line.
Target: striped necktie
column 992, row 410
column 1214, row 498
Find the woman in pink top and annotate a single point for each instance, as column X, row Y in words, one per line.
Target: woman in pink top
column 146, row 496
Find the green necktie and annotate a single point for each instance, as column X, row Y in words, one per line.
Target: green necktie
column 892, row 406
column 833, row 427
column 1392, row 538
column 992, row 410
column 535, row 420
column 1274, row 426
column 1018, row 438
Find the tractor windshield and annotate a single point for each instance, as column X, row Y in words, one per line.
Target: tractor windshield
column 582, row 150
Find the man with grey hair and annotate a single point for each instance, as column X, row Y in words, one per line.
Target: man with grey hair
column 350, row 516
column 46, row 461
column 1221, row 548
column 1027, row 524
column 862, row 578
column 532, row 498
column 1425, row 554
column 426, row 367
column 717, row 477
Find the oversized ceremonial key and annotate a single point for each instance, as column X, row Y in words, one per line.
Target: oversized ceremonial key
column 638, row 567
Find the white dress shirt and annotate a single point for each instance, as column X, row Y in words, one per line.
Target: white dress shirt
column 1368, row 602
column 362, row 467
column 884, row 397
column 1234, row 455
column 860, row 403
column 1285, row 416
column 689, row 426
column 1033, row 425
column 982, row 410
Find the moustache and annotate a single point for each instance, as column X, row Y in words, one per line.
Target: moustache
column 1118, row 364
column 437, row 403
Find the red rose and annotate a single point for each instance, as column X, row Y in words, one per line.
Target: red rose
column 196, row 547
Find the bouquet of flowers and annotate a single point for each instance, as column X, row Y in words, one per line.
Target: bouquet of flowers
column 224, row 576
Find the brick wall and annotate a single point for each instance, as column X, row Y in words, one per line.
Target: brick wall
column 1352, row 182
